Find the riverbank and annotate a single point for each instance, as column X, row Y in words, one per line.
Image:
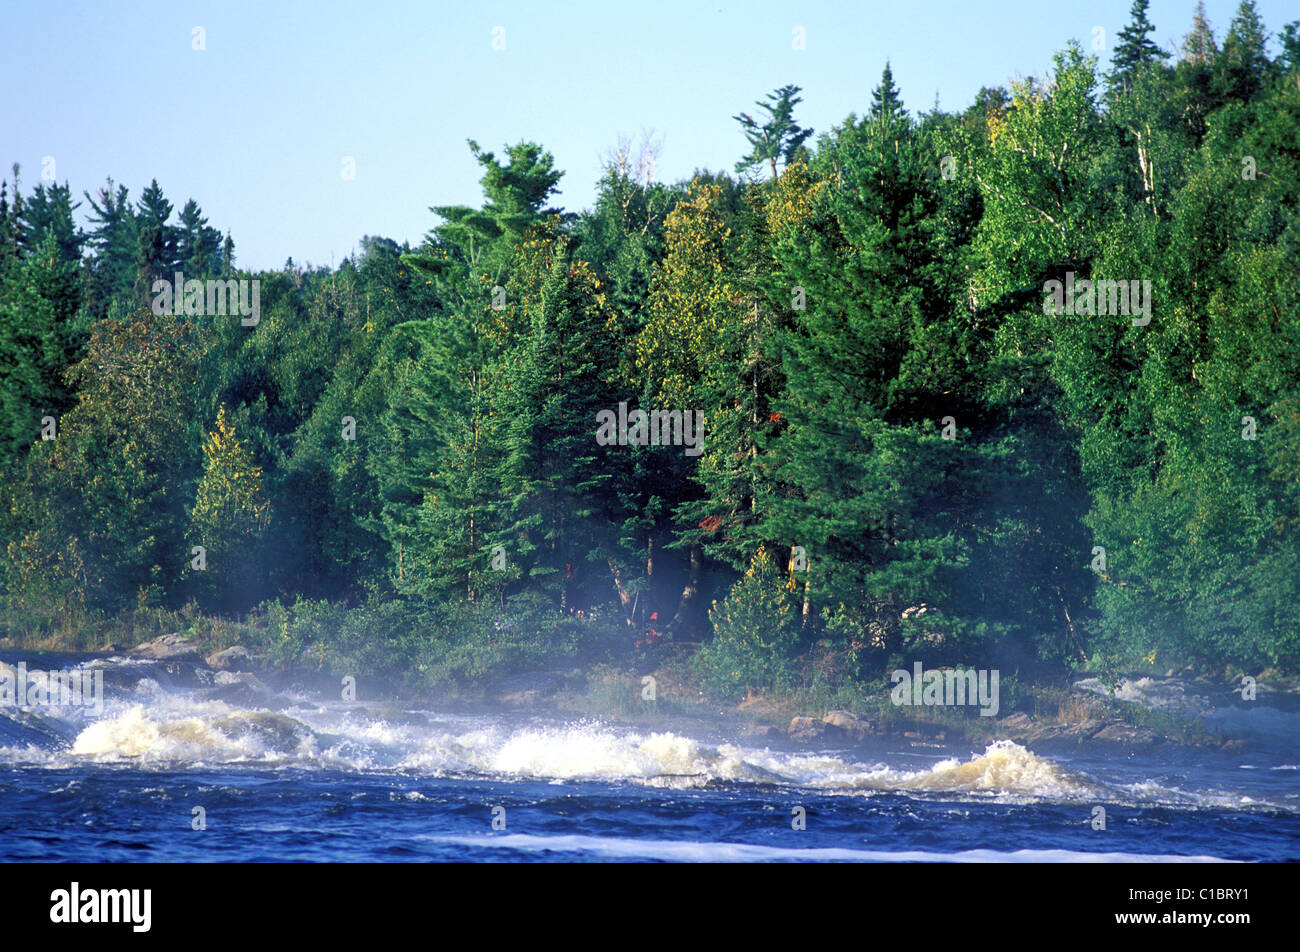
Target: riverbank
column 1145, row 713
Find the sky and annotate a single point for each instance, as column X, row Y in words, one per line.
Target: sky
column 258, row 125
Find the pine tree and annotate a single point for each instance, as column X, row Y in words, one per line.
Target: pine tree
column 198, row 247
column 777, row 138
column 114, row 243
column 1199, row 46
column 1135, row 48
column 885, row 100
column 554, row 475
column 156, row 255
column 1244, row 66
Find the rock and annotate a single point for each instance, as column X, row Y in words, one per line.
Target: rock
column 806, row 728
column 236, row 658
column 1128, row 736
column 279, row 733
column 758, row 731
column 118, row 675
column 1083, row 729
column 848, row 724
column 1019, row 721
column 171, row 647
column 248, row 694
column 841, row 719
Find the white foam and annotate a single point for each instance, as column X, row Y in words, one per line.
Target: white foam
column 1161, row 694
column 690, row 852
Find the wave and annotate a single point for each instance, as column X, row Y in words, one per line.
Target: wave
column 151, row 721
column 684, row 851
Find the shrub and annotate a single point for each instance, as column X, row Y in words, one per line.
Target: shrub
column 755, row 634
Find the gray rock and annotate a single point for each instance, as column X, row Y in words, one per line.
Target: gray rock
column 171, row 647
column 848, row 724
column 1128, row 736
column 236, row 658
column 806, row 728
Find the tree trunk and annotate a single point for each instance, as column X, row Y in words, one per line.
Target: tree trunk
column 688, row 591
column 624, row 599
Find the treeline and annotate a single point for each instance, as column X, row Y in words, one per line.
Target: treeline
column 909, row 451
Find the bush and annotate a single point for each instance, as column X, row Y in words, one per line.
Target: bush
column 420, row 643
column 755, row 635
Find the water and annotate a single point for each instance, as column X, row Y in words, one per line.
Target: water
column 293, row 776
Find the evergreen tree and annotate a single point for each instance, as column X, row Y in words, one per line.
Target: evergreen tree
column 114, row 243
column 1199, row 46
column 885, row 100
column 1135, row 48
column 779, row 137
column 198, row 248
column 1244, row 66
column 553, row 472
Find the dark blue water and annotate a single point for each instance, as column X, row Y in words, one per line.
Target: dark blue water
column 306, row 779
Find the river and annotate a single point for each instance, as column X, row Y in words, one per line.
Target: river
column 213, row 766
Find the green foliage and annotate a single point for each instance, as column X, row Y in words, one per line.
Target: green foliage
column 779, row 137
column 755, row 634
column 886, row 402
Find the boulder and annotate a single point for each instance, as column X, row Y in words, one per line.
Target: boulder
column 236, row 658
column 848, row 724
column 1129, row 737
column 171, row 647
column 1019, row 721
column 806, row 728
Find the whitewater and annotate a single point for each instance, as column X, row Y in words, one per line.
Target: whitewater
column 218, row 766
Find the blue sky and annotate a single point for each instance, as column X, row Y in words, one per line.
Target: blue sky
column 255, row 127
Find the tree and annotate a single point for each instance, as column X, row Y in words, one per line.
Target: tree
column 198, row 245
column 885, row 101
column 157, row 249
column 1290, row 40
column 32, row 355
column 779, row 137
column 1199, row 46
column 1135, row 48
column 112, row 484
column 230, row 513
column 114, row 243
column 557, row 375
column 1243, row 68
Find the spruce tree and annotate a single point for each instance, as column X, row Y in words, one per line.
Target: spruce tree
column 1135, row 48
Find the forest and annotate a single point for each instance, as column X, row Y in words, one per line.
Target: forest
column 1014, row 386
